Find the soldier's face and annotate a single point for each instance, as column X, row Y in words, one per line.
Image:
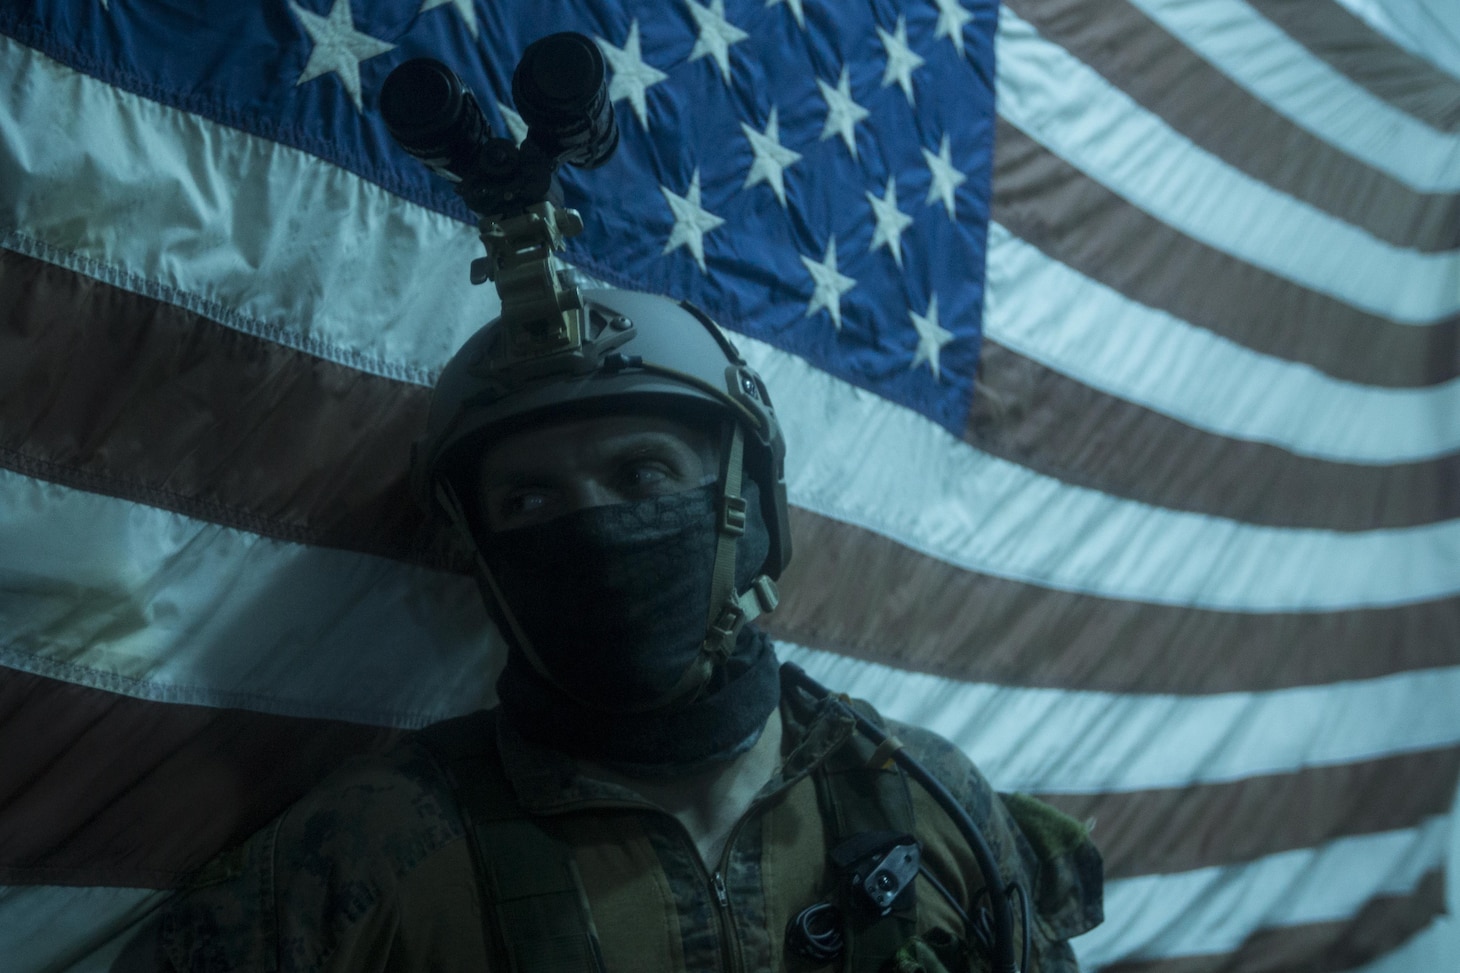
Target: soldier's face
column 545, row 472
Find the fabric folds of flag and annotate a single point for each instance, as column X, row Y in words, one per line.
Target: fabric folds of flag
column 1115, row 346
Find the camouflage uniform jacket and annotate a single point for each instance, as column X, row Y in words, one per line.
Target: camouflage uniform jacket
column 372, row 871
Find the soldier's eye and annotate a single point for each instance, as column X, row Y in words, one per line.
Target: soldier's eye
column 521, row 505
column 646, row 476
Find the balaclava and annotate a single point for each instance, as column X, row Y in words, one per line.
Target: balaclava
column 614, row 601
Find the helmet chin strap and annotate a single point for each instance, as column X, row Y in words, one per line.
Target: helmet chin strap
column 450, row 501
column 728, row 611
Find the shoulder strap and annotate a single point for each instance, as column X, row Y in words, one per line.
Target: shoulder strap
column 857, row 793
column 535, row 913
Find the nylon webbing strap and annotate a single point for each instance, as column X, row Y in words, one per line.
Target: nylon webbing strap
column 535, row 913
column 450, row 501
column 854, row 799
column 732, row 512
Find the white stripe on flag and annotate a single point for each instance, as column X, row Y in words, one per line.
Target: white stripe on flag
column 853, row 456
column 1426, row 28
column 1261, row 57
column 1212, row 910
column 266, row 239
column 69, row 929
column 1092, row 333
column 1065, row 105
column 147, row 603
column 1083, row 742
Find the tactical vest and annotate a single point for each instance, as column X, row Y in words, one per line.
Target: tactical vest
column 536, row 917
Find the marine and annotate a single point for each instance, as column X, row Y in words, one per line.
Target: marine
column 654, row 790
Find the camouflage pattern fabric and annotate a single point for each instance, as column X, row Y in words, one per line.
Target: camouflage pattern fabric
column 372, row 871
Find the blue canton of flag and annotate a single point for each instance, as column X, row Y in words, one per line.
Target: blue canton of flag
column 816, row 175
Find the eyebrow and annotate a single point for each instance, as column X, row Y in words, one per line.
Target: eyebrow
column 701, row 448
column 506, row 472
column 509, row 479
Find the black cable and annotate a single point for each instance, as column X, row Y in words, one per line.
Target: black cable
column 1003, row 919
column 967, row 922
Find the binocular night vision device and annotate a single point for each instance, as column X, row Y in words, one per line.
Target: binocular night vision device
column 559, row 88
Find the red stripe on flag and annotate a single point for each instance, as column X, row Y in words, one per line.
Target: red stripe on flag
column 101, row 789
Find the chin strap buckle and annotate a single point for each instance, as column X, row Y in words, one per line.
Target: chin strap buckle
column 733, row 511
column 720, row 642
column 767, row 595
column 760, row 598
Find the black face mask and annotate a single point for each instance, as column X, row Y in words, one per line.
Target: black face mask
column 614, row 601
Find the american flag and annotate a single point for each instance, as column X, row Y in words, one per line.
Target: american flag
column 1116, row 347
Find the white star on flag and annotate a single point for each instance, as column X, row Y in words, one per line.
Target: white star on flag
column 951, row 20
column 902, row 61
column 338, row 47
column 830, row 283
column 716, row 34
column 932, row 336
column 796, row 10
column 771, row 157
column 946, row 177
column 515, row 124
column 691, row 220
column 842, row 113
column 891, row 221
column 631, row 76
column 464, row 9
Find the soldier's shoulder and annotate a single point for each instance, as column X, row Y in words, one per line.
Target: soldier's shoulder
column 328, row 862
column 387, row 808
column 941, row 758
column 1056, row 853
column 944, row 759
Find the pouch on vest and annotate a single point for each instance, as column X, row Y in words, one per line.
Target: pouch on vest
column 857, row 799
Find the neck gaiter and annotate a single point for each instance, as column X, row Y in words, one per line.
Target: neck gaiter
column 614, row 601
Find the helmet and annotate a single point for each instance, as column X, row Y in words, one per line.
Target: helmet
column 638, row 350
column 612, row 350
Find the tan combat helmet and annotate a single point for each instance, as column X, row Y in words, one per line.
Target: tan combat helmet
column 612, row 350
